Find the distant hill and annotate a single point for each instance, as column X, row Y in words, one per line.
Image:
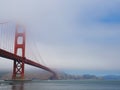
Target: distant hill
column 3, row 73
column 44, row 75
column 111, row 77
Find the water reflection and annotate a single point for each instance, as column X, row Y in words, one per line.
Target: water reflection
column 18, row 86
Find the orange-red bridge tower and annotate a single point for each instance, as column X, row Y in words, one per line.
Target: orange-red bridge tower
column 19, row 49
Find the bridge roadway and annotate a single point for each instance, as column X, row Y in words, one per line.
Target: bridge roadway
column 11, row 56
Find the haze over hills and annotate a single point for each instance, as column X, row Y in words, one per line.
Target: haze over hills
column 44, row 75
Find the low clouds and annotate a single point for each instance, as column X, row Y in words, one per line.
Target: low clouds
column 70, row 33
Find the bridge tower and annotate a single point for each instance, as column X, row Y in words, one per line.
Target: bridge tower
column 19, row 49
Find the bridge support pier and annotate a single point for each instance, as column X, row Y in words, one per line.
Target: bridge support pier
column 19, row 49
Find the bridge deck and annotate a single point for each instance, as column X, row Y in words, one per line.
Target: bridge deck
column 11, row 56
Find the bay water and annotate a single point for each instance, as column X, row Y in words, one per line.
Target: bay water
column 61, row 85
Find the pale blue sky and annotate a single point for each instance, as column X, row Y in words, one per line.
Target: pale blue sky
column 70, row 34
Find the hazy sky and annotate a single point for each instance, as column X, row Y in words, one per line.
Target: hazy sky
column 70, row 34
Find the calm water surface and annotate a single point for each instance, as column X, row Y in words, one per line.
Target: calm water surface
column 61, row 85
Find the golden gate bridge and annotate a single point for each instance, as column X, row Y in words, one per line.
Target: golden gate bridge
column 18, row 55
